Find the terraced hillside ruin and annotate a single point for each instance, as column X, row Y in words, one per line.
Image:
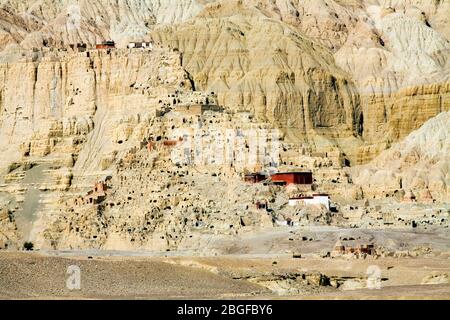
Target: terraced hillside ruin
column 102, row 104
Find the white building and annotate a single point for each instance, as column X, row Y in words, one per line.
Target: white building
column 315, row 200
column 132, row 45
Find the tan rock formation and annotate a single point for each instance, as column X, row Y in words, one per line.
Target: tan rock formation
column 419, row 163
column 326, row 71
column 339, row 81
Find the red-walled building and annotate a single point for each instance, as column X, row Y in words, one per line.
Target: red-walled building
column 293, row 177
column 106, row 45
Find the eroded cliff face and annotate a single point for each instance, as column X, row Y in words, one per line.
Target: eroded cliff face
column 34, row 23
column 55, row 95
column 419, row 164
column 67, row 117
column 354, row 67
column 270, row 70
column 262, row 65
column 374, row 72
column 401, row 66
column 339, row 81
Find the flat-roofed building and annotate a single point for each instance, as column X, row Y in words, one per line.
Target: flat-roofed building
column 293, row 177
column 314, row 200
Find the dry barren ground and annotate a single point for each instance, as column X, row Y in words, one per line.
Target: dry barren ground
column 38, row 276
column 265, row 265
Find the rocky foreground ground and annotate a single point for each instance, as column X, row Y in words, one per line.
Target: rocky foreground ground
column 310, row 273
column 35, row 276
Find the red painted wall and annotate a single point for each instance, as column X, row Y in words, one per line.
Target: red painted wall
column 103, row 46
column 294, row 177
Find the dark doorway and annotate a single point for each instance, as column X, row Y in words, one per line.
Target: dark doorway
column 360, row 128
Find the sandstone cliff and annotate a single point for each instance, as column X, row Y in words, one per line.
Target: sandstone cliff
column 344, row 71
column 340, row 81
column 53, row 95
column 419, row 164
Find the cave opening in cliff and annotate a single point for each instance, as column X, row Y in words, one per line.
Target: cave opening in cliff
column 361, row 124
